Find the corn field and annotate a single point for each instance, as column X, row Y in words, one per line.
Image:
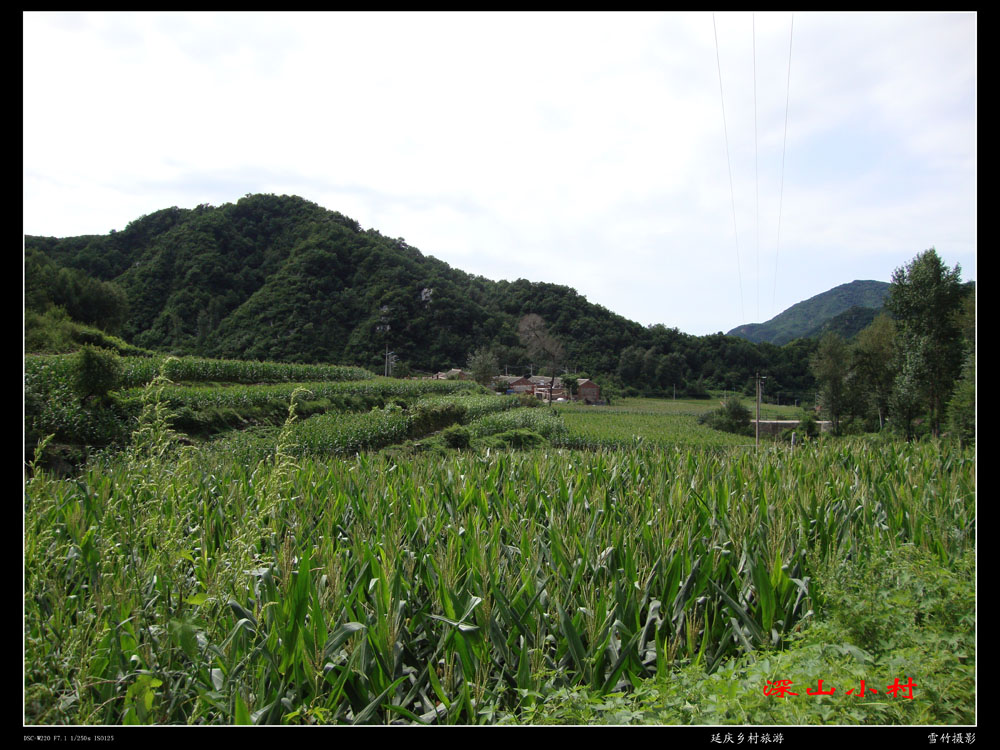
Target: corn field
column 168, row 585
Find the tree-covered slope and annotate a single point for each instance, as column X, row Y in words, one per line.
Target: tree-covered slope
column 848, row 323
column 807, row 318
column 279, row 277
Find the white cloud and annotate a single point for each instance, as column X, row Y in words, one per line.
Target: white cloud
column 505, row 143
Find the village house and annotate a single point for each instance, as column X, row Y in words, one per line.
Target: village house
column 503, row 382
column 539, row 386
column 547, row 389
column 588, row 391
column 518, row 384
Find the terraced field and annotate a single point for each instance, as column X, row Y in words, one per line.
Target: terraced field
column 307, row 578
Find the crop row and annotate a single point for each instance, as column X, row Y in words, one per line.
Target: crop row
column 368, row 392
column 53, row 407
column 596, row 428
column 347, row 433
column 545, row 422
column 441, row 590
column 138, row 371
column 473, row 405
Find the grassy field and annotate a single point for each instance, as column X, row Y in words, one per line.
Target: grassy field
column 301, row 580
column 663, row 422
column 657, row 421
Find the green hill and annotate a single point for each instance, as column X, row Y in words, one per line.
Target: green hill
column 844, row 309
column 279, row 278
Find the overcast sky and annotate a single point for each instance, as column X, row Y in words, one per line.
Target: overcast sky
column 586, row 149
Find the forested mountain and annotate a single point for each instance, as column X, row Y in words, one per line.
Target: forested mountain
column 847, row 324
column 857, row 302
column 281, row 278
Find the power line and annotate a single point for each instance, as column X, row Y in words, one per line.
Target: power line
column 756, row 171
column 732, row 194
column 784, row 141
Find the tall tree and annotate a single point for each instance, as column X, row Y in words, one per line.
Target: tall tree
column 484, row 365
column 925, row 298
column 907, row 400
column 829, row 367
column 873, row 366
column 962, row 406
column 542, row 346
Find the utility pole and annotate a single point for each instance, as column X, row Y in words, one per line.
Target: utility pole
column 757, row 432
column 757, row 421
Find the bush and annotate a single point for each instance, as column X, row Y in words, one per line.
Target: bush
column 697, row 390
column 456, row 436
column 808, row 425
column 519, row 439
column 528, row 400
column 95, row 372
column 51, row 331
column 733, row 417
column 432, row 416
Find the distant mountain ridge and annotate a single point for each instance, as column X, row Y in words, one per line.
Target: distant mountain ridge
column 845, row 309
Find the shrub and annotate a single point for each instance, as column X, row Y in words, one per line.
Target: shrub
column 456, row 436
column 430, row 416
column 733, row 417
column 528, row 400
column 51, row 331
column 518, row 438
column 808, row 425
column 95, row 372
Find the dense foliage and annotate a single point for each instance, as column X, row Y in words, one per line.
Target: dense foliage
column 732, row 417
column 167, row 585
column 914, row 371
column 483, row 574
column 926, row 299
column 95, row 372
column 279, row 278
column 491, row 562
column 84, row 298
column 845, row 309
